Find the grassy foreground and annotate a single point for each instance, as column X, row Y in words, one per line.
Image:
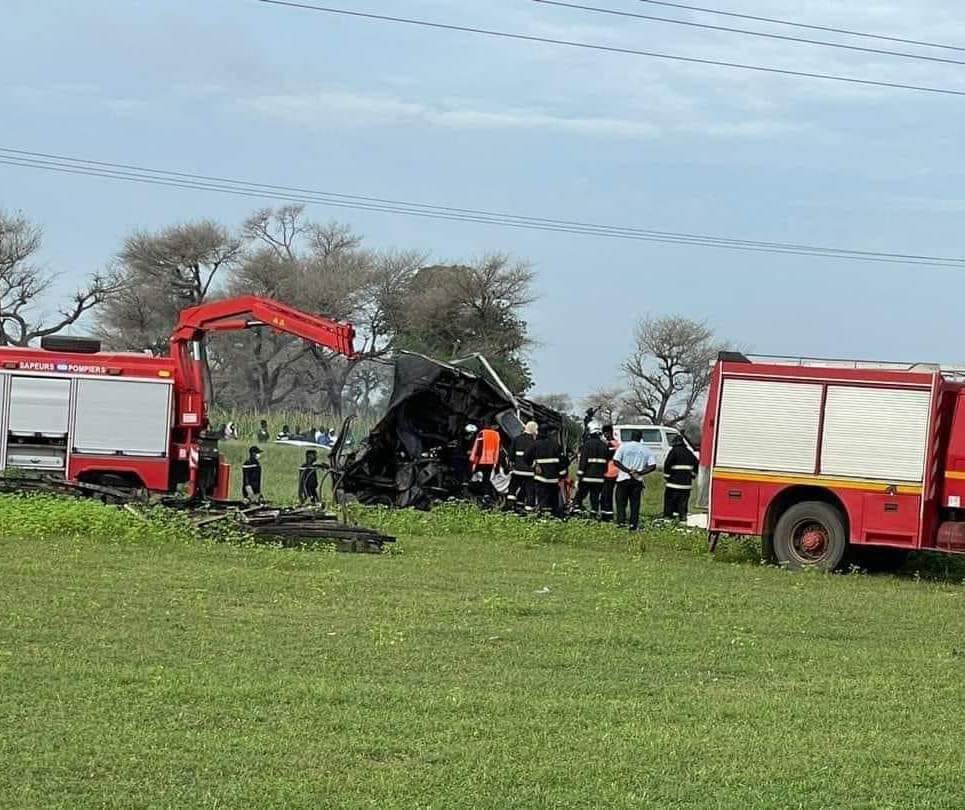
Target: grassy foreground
column 141, row 667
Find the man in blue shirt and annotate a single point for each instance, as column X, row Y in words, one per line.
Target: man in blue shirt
column 634, row 460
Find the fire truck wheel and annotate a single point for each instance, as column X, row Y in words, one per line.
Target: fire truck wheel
column 810, row 535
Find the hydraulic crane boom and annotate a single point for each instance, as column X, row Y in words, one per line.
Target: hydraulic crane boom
column 188, row 350
column 249, row 311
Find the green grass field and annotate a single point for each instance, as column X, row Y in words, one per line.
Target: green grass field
column 140, row 667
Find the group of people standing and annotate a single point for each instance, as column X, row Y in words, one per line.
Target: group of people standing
column 610, row 473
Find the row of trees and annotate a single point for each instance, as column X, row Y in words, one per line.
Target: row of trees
column 396, row 299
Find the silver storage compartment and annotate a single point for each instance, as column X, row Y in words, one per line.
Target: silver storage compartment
column 27, row 457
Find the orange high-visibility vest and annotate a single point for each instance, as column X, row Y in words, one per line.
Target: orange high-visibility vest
column 486, row 448
column 612, row 471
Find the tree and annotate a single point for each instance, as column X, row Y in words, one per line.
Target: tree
column 558, row 402
column 23, row 284
column 322, row 269
column 162, row 274
column 452, row 311
column 609, row 404
column 669, row 368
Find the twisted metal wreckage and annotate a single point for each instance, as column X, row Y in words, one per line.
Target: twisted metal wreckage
column 417, row 454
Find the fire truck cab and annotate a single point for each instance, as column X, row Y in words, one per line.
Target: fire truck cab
column 817, row 457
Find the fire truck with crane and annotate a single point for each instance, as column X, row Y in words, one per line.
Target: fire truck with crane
column 820, row 458
column 135, row 421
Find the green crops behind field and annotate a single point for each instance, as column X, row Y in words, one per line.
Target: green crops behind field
column 485, row 662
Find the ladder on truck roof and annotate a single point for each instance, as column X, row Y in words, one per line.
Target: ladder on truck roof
column 828, row 362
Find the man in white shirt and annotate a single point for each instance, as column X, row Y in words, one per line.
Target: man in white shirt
column 634, row 460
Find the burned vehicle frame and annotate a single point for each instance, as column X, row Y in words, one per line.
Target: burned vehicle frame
column 418, row 453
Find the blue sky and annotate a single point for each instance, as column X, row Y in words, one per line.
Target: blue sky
column 283, row 96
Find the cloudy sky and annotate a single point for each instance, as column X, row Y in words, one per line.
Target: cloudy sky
column 278, row 95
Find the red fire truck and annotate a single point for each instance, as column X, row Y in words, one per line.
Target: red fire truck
column 134, row 420
column 817, row 457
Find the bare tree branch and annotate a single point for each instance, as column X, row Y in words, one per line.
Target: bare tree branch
column 669, row 369
column 23, row 284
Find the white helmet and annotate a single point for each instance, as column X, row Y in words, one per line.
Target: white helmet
column 471, row 429
column 594, row 428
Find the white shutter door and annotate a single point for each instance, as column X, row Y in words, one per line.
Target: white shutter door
column 39, row 405
column 875, row 433
column 765, row 425
column 122, row 416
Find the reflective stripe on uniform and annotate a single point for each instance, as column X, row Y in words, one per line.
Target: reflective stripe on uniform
column 553, row 460
column 546, row 480
column 598, row 461
column 681, row 467
column 520, row 452
column 678, row 486
column 523, row 473
column 593, row 480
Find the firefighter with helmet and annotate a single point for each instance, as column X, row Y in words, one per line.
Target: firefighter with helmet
column 522, row 496
column 549, row 470
column 610, row 476
column 594, row 458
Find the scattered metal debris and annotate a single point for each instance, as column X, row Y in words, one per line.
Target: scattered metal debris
column 292, row 527
column 295, row 527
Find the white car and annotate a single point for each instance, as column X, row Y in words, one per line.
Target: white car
column 656, row 437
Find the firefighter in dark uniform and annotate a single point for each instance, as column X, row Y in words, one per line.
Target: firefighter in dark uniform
column 251, row 476
column 521, row 493
column 308, row 479
column 679, row 471
column 610, row 476
column 594, row 458
column 546, row 459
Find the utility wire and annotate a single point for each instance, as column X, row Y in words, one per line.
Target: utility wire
column 614, row 49
column 198, row 182
column 847, row 31
column 764, row 34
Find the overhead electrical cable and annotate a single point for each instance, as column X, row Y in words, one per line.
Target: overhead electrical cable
column 200, row 182
column 747, row 32
column 615, row 49
column 808, row 26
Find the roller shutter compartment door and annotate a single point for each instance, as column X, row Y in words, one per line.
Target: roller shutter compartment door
column 768, row 425
column 39, row 405
column 122, row 417
column 875, row 433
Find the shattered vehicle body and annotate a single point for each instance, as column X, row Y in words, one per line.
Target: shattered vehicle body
column 419, row 452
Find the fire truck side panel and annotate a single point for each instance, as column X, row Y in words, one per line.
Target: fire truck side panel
column 953, row 484
column 858, row 439
column 152, row 473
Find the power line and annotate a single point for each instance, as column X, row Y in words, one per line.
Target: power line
column 829, row 29
column 614, row 49
column 199, row 182
column 764, row 34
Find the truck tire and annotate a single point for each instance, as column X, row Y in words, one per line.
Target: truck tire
column 810, row 534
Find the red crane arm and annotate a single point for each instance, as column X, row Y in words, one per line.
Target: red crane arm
column 248, row 311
